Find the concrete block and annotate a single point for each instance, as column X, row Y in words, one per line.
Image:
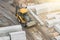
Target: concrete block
column 36, row 17
column 18, row 35
column 5, row 38
column 51, row 23
column 10, row 29
column 52, row 15
column 57, row 27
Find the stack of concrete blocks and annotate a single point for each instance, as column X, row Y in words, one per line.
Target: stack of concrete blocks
column 54, row 19
column 48, row 8
column 12, row 33
column 45, row 7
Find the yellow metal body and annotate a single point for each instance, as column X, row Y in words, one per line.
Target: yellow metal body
column 23, row 10
column 20, row 18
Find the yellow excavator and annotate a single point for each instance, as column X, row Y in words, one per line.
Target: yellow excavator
column 24, row 18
